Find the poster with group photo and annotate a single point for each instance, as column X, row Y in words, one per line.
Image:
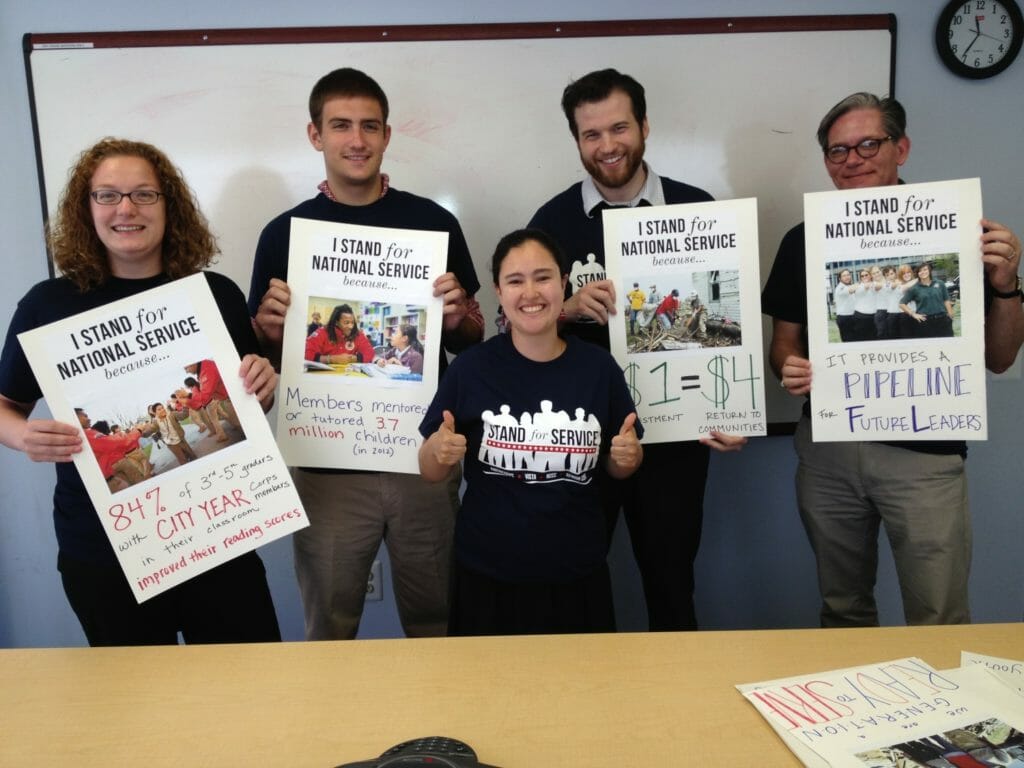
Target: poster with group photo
column 178, row 460
column 687, row 333
column 895, row 308
column 361, row 343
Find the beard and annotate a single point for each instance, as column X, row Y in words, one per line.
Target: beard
column 614, row 178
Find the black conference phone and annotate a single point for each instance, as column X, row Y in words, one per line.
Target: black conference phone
column 435, row 751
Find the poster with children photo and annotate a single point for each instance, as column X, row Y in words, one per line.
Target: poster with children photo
column 178, row 459
column 157, row 421
column 361, row 344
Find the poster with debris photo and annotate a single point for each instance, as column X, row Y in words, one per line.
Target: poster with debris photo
column 687, row 333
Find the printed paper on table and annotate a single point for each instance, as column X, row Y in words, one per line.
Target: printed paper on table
column 888, row 714
column 171, row 514
column 918, row 376
column 693, row 361
column 1011, row 671
column 364, row 411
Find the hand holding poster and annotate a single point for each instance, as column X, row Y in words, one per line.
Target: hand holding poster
column 893, row 714
column 179, row 461
column 895, row 312
column 359, row 363
column 688, row 330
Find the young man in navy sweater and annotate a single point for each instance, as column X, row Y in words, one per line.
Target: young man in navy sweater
column 351, row 512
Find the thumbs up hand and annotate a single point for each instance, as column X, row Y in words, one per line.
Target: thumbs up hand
column 449, row 445
column 626, row 452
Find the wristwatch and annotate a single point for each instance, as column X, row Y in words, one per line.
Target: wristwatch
column 1017, row 292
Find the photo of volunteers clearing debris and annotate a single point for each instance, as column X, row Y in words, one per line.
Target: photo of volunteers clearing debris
column 682, row 311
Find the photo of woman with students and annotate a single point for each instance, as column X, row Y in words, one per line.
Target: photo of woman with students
column 364, row 338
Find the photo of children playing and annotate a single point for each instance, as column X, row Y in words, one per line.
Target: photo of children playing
column 365, row 339
column 683, row 311
column 879, row 300
column 137, row 439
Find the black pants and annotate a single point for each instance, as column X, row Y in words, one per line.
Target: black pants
column 227, row 604
column 481, row 605
column 845, row 325
column 939, row 325
column 663, row 503
column 881, row 324
column 894, row 325
column 863, row 327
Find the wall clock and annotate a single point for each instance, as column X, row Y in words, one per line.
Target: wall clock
column 979, row 38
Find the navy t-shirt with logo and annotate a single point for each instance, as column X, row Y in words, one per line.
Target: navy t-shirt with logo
column 537, row 435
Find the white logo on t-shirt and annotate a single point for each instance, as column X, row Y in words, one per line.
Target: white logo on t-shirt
column 542, row 447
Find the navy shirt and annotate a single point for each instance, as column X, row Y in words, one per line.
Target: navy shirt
column 536, row 436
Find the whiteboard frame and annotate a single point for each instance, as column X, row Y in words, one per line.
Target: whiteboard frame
column 767, row 155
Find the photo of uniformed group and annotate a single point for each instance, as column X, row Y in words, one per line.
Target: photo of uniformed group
column 883, row 299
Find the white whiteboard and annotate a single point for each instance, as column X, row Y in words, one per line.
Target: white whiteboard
column 476, row 123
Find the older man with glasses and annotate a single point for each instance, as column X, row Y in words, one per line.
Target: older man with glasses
column 918, row 490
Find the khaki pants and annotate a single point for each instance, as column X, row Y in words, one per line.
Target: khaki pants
column 845, row 491
column 349, row 515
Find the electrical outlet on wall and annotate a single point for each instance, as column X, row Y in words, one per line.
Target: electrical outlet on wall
column 375, row 584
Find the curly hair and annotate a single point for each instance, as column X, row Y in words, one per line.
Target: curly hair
column 188, row 245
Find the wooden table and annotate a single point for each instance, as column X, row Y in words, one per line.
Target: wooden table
column 647, row 700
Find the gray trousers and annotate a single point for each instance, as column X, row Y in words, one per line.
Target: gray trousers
column 349, row 515
column 845, row 490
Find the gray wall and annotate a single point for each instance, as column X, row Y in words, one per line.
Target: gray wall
column 755, row 568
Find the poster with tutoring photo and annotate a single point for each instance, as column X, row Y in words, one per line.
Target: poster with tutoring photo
column 687, row 332
column 894, row 714
column 895, row 308
column 178, row 460
column 361, row 343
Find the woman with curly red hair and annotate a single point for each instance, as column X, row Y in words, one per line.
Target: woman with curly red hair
column 127, row 222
